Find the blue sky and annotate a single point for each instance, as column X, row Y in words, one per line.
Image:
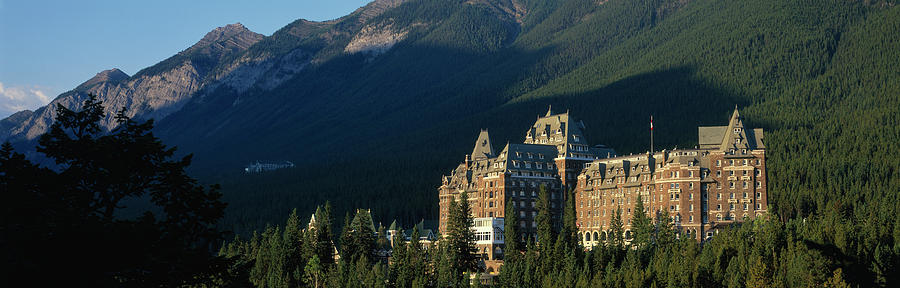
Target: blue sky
column 49, row 47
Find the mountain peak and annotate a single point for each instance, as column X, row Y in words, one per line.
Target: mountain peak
column 229, row 37
column 111, row 75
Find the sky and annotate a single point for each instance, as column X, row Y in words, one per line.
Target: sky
column 49, row 47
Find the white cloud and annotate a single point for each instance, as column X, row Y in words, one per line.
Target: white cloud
column 41, row 96
column 17, row 98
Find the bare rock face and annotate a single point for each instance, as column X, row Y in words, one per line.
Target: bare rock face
column 375, row 39
column 144, row 96
column 224, row 40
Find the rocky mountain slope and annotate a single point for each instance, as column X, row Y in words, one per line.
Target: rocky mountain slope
column 154, row 92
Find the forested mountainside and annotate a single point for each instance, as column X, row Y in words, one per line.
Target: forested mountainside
column 374, row 107
column 379, row 129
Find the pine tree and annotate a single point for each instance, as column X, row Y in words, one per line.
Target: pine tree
column 293, row 245
column 641, row 225
column 544, row 220
column 313, row 271
column 570, row 229
column 94, row 172
column 362, row 237
column 511, row 234
column 323, row 235
column 345, row 234
column 460, row 238
column 616, row 230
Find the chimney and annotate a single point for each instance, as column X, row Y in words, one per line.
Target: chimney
column 468, row 161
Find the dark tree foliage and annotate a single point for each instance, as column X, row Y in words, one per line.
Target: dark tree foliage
column 544, row 220
column 460, row 238
column 57, row 221
column 361, row 238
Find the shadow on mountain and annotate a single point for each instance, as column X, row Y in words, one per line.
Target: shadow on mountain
column 397, row 158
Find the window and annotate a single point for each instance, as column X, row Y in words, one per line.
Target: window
column 731, row 173
column 745, row 184
column 758, row 184
column 719, row 196
column 746, row 206
column 718, row 163
column 731, row 206
column 758, row 195
column 732, row 195
column 745, row 162
column 731, row 184
column 737, row 130
column 691, row 219
column 718, row 207
column 718, row 173
column 719, row 217
column 758, row 206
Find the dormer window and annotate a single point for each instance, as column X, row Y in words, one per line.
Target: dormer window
column 737, row 141
column 558, row 131
column 575, row 138
column 737, row 130
column 541, row 156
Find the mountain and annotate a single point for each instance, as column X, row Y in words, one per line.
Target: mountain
column 154, row 92
column 375, row 106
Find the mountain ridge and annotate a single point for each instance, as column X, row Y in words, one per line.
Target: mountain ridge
column 145, row 95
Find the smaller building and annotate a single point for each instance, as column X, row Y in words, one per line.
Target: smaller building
column 266, row 166
column 489, row 237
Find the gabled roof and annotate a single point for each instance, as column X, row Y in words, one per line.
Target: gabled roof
column 734, row 136
column 483, row 148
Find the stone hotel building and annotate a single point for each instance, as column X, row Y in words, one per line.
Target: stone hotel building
column 702, row 189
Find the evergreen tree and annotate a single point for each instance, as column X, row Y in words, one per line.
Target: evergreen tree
column 616, row 230
column 323, row 236
column 460, row 237
column 544, row 220
column 640, row 225
column 511, row 234
column 345, row 233
column 293, row 245
column 570, row 229
column 314, row 271
column 362, row 238
column 50, row 211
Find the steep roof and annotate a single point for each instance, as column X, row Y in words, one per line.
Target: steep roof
column 483, row 148
column 563, row 132
column 734, row 136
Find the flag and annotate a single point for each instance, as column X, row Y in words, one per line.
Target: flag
column 651, row 122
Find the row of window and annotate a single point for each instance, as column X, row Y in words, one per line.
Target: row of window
column 731, row 162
